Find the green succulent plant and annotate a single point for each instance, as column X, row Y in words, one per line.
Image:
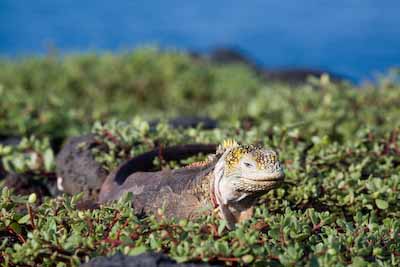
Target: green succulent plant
column 339, row 143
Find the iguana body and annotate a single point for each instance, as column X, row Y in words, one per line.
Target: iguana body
column 231, row 181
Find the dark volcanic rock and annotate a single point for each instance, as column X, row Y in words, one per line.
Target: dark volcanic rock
column 2, row 171
column 79, row 171
column 142, row 260
column 288, row 75
column 296, row 76
column 229, row 56
column 24, row 184
column 10, row 140
column 188, row 122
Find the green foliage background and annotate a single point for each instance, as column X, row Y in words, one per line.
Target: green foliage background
column 340, row 145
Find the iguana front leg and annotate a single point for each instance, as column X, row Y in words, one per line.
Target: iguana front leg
column 234, row 214
column 245, row 215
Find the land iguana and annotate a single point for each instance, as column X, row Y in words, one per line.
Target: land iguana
column 229, row 182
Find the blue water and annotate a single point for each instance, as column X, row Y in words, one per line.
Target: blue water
column 357, row 38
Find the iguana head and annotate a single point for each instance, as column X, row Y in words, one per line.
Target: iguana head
column 241, row 175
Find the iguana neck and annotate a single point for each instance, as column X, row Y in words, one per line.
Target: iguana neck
column 232, row 212
column 207, row 189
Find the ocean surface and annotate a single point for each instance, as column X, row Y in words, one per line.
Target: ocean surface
column 356, row 38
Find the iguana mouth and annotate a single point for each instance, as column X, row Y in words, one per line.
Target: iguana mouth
column 260, row 181
column 268, row 181
column 276, row 176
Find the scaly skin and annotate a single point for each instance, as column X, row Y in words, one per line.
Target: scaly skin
column 230, row 182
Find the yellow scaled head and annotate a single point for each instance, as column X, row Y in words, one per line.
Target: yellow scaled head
column 252, row 168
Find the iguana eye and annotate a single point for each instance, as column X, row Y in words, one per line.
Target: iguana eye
column 247, row 164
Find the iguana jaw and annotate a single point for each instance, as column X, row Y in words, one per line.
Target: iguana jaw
column 257, row 182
